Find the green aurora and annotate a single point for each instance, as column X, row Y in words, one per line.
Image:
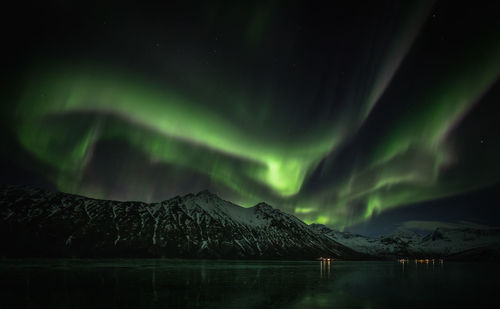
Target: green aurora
column 249, row 147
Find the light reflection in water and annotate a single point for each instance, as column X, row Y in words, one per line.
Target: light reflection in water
column 421, row 261
column 325, row 267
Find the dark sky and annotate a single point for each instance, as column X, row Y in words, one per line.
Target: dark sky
column 362, row 115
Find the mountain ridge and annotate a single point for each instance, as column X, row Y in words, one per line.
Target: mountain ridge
column 450, row 243
column 38, row 223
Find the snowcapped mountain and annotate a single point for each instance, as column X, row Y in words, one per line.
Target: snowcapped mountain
column 379, row 247
column 460, row 243
column 41, row 223
column 454, row 242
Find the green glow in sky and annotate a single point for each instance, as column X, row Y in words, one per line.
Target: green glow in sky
column 156, row 119
column 257, row 143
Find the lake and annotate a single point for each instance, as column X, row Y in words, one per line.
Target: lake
column 163, row 283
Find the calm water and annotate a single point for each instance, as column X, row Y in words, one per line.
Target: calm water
column 245, row 284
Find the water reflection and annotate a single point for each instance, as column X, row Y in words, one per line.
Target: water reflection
column 325, row 267
column 426, row 261
column 242, row 284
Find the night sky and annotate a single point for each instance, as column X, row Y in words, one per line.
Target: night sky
column 363, row 115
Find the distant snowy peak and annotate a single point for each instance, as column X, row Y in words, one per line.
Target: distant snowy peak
column 320, row 228
column 402, row 242
column 404, row 233
column 462, row 234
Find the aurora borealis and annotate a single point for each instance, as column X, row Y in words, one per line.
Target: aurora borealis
column 334, row 114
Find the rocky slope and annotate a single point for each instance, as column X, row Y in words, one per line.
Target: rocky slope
column 460, row 243
column 34, row 222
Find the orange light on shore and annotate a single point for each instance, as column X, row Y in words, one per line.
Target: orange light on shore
column 421, row 261
column 324, row 259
